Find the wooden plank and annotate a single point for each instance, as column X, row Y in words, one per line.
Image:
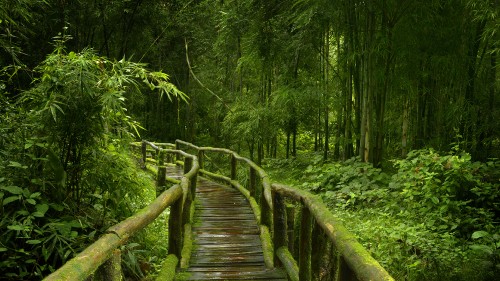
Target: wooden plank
column 238, row 275
column 226, row 240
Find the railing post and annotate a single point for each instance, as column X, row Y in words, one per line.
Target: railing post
column 345, row 274
column 201, row 154
column 178, row 156
column 170, row 158
column 305, row 245
column 175, row 229
column 161, row 179
column 318, row 247
column 265, row 211
column 143, row 150
column 186, row 216
column 192, row 186
column 161, row 157
column 279, row 215
column 233, row 167
column 290, row 222
column 186, row 208
column 188, row 164
column 251, row 185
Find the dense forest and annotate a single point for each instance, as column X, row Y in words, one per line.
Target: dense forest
column 370, row 104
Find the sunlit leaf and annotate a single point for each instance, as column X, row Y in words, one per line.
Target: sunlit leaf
column 10, row 199
column 479, row 234
column 12, row 189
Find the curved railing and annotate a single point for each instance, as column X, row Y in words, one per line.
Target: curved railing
column 297, row 240
column 308, row 235
column 103, row 255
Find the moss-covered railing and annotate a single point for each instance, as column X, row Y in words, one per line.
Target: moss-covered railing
column 297, row 230
column 103, row 257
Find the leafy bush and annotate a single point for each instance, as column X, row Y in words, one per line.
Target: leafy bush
column 65, row 173
column 419, row 222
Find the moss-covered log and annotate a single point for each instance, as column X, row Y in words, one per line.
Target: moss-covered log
column 288, row 263
column 267, row 246
column 167, row 271
column 85, row 263
column 111, row 270
column 187, row 247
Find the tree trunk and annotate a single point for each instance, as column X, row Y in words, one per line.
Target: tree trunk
column 294, row 143
column 469, row 129
column 368, row 87
column 404, row 138
column 287, row 144
column 326, row 90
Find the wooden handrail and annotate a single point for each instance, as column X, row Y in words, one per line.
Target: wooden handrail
column 359, row 260
column 263, row 175
column 87, row 262
column 353, row 260
column 90, row 259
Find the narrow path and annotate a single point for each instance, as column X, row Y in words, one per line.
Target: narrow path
column 226, row 241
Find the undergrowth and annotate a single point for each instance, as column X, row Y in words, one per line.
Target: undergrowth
column 435, row 217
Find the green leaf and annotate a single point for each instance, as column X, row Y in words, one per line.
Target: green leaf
column 38, row 215
column 10, row 199
column 16, row 227
column 57, row 207
column 33, row 242
column 42, row 208
column 13, row 189
column 31, row 201
column 3, row 249
column 479, row 234
column 482, row 248
column 35, row 195
column 16, row 165
column 415, row 264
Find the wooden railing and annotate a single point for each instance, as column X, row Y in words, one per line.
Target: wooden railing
column 300, row 241
column 104, row 257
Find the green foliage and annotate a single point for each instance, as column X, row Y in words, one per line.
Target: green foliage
column 65, row 172
column 79, row 99
column 487, row 247
column 418, row 222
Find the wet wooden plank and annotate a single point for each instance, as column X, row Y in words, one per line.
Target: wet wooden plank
column 241, row 274
column 226, row 238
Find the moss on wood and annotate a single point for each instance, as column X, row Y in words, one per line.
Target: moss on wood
column 167, row 271
column 187, row 247
column 289, row 263
column 267, row 246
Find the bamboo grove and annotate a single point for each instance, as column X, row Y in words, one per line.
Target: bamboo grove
column 351, row 78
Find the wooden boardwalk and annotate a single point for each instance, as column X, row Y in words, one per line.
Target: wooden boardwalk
column 226, row 241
